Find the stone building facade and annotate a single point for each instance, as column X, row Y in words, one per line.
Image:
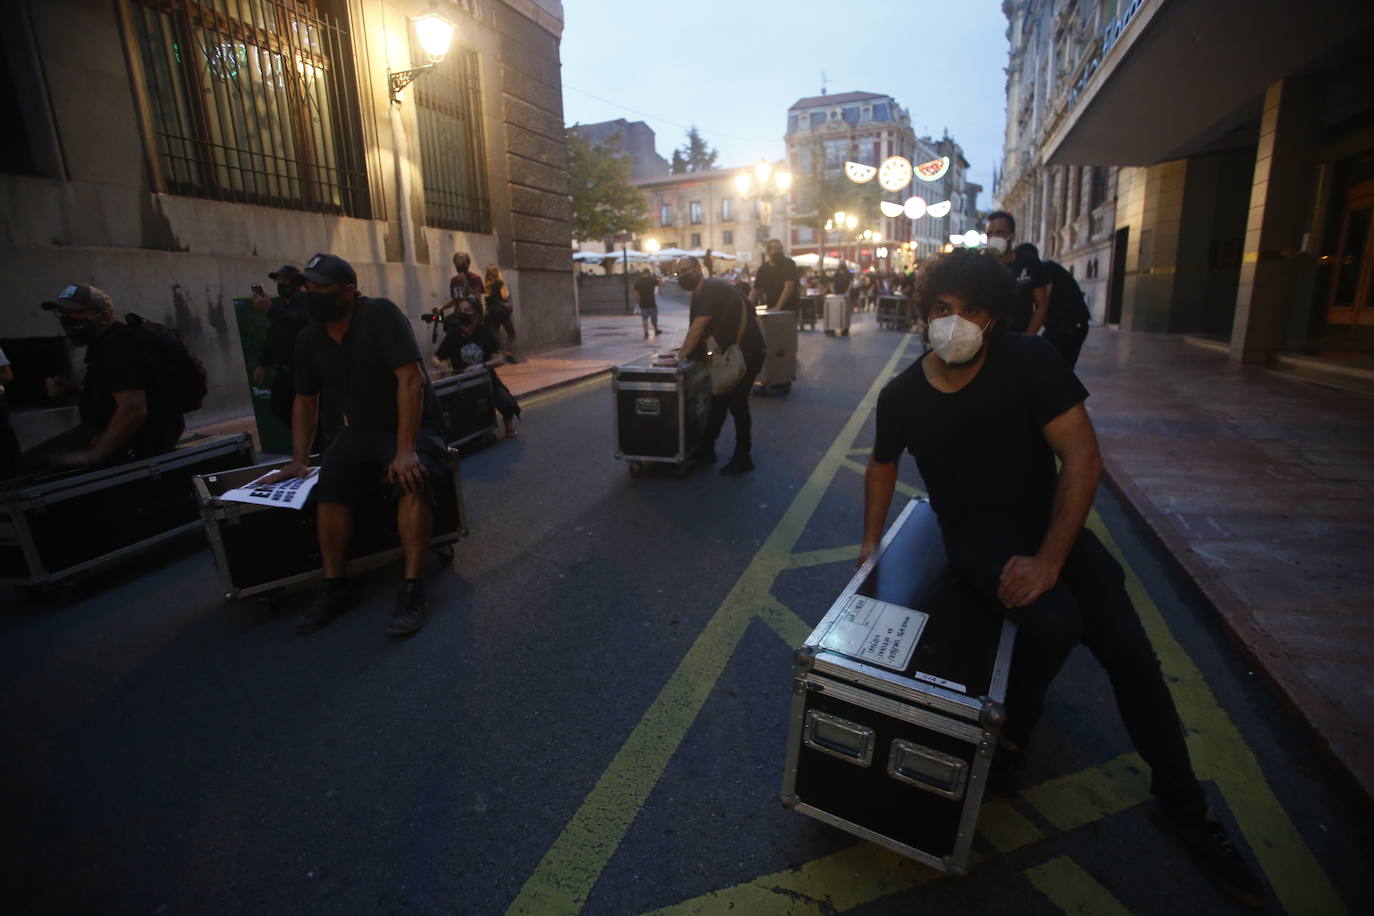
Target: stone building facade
column 173, row 152
column 1226, row 150
column 706, row 210
column 635, row 139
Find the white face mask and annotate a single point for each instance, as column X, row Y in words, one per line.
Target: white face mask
column 955, row 339
column 996, row 243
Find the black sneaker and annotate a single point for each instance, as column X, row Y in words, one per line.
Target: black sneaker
column 740, row 464
column 334, row 598
column 411, row 608
column 1206, row 842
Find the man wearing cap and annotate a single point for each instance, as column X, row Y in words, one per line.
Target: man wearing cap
column 126, row 412
column 285, row 319
column 363, row 350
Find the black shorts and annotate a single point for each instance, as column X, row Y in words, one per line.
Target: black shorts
column 354, row 467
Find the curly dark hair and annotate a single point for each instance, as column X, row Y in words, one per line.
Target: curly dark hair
column 973, row 275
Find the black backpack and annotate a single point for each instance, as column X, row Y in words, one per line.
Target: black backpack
column 180, row 371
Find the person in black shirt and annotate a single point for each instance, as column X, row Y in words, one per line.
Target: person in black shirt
column 986, row 414
column 776, row 284
column 718, row 311
column 364, row 350
column 469, row 344
column 1032, row 283
column 285, row 319
column 841, row 279
column 125, row 404
column 646, row 288
column 1066, row 325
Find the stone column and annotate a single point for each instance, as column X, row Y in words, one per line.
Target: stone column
column 1280, row 208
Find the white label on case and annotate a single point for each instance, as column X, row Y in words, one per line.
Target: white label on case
column 875, row 631
column 939, row 681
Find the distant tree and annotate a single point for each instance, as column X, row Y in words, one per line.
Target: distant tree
column 824, row 192
column 603, row 200
column 696, row 155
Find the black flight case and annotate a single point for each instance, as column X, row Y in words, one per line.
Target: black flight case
column 897, row 702
column 468, row 408
column 261, row 551
column 660, row 411
column 60, row 525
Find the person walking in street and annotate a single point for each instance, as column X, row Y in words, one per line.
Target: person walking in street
column 469, row 344
column 777, row 284
column 646, row 288
column 1032, row 283
column 128, row 399
column 720, row 313
column 464, row 284
column 500, row 313
column 709, row 263
column 986, row 415
column 1066, row 324
column 364, row 350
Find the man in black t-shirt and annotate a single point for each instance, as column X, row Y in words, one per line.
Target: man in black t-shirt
column 776, row 283
column 718, row 311
column 1066, row 325
column 364, row 351
column 285, row 319
column 986, row 414
column 469, row 344
column 646, row 288
column 125, row 402
column 1032, row 284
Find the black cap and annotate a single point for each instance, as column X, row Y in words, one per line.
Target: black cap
column 286, row 273
column 77, row 297
column 325, row 269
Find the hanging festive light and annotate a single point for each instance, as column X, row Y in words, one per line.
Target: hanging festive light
column 972, row 238
column 939, row 210
column 858, row 173
column 895, row 173
column 889, row 208
column 915, row 207
column 933, row 170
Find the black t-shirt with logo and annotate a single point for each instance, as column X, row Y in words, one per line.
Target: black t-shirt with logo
column 726, row 308
column 361, row 369
column 1068, row 308
column 1029, row 273
column 647, row 287
column 468, row 348
column 771, row 278
column 982, row 450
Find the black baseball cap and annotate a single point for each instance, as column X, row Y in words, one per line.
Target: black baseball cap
column 77, row 297
column 329, row 268
column 287, row 273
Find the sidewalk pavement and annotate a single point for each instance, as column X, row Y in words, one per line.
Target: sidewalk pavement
column 1260, row 485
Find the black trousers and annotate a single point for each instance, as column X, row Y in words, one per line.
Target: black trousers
column 1068, row 341
column 1088, row 605
column 736, row 403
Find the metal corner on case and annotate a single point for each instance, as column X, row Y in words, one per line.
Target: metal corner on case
column 789, row 799
column 993, row 713
column 804, row 658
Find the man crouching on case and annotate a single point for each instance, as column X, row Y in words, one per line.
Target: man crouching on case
column 364, row 350
column 985, row 414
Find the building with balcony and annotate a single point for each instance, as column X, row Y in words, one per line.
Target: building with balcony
column 1237, row 138
column 173, row 152
column 825, row 131
column 724, row 210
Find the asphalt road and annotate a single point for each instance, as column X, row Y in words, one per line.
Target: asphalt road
column 595, row 717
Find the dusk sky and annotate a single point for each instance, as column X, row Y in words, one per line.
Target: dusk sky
column 734, row 68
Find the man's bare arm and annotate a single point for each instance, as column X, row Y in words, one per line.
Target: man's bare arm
column 880, row 482
column 1041, row 297
column 1071, row 437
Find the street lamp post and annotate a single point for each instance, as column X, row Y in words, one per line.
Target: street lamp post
column 764, row 185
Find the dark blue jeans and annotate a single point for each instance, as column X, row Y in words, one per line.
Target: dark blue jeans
column 736, row 403
column 1088, row 605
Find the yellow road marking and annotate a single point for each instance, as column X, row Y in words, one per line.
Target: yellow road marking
column 566, row 874
column 1069, row 802
column 903, row 487
column 785, row 623
column 1220, row 753
column 1005, row 828
column 1073, row 890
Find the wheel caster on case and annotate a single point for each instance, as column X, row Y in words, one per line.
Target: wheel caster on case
column 636, row 468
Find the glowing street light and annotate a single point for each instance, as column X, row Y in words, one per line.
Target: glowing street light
column 742, row 182
column 652, row 245
column 435, row 34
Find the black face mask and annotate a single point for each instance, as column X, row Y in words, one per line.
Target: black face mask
column 325, row 307
column 776, row 257
column 466, row 319
column 689, row 282
column 80, row 331
column 286, row 290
